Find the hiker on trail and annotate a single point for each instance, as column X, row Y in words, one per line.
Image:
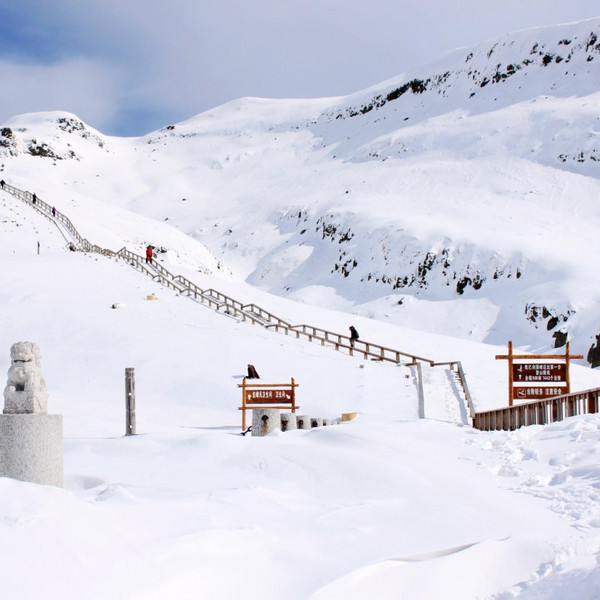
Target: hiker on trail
column 149, row 254
column 2, row 183
column 353, row 335
column 53, row 211
column 34, row 198
column 252, row 372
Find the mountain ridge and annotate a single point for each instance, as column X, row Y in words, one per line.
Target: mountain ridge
column 429, row 199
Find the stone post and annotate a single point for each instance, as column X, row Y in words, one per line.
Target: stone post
column 264, row 420
column 288, row 421
column 31, row 440
column 303, row 421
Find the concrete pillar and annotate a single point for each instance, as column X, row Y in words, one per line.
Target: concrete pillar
column 303, row 421
column 316, row 422
column 31, row 441
column 288, row 421
column 326, row 422
column 264, row 420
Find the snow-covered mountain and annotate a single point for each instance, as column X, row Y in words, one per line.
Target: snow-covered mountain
column 459, row 198
column 443, row 211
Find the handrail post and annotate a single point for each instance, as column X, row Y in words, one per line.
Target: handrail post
column 420, row 391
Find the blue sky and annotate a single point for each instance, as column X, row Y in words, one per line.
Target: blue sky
column 128, row 68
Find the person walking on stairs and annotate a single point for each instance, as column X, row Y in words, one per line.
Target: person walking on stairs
column 353, row 335
column 149, row 254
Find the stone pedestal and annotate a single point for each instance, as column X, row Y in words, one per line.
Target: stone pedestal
column 264, row 420
column 31, row 448
column 288, row 421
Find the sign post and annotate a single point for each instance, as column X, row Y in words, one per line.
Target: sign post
column 273, row 395
column 531, row 379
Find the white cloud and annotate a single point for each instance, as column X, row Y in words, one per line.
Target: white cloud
column 87, row 88
column 147, row 58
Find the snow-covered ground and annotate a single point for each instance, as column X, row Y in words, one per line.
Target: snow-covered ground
column 262, row 200
column 384, row 506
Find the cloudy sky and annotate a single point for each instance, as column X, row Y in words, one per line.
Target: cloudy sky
column 128, row 67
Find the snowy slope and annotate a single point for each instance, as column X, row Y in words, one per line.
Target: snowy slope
column 470, row 182
column 189, row 508
column 262, row 199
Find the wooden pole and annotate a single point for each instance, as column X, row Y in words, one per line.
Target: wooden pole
column 568, row 357
column 244, row 404
column 129, row 401
column 510, row 373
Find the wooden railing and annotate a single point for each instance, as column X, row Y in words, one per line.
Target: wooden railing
column 246, row 312
column 457, row 369
column 540, row 412
column 367, row 350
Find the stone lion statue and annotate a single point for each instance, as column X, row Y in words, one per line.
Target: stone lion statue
column 25, row 390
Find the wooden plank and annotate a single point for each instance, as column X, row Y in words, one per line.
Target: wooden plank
column 269, row 396
column 537, row 392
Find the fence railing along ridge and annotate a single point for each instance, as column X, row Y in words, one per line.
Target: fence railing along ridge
column 246, row 312
column 539, row 412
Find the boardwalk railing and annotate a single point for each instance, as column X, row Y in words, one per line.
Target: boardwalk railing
column 227, row 305
column 457, row 369
column 540, row 412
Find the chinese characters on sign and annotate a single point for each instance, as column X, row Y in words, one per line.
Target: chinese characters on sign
column 536, row 393
column 538, row 372
column 268, row 396
column 529, row 381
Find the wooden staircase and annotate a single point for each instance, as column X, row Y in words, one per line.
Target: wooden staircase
column 245, row 312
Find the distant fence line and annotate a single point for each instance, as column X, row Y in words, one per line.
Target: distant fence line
column 540, row 412
column 247, row 312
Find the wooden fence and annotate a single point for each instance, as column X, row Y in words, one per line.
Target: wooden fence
column 246, row 312
column 540, row 412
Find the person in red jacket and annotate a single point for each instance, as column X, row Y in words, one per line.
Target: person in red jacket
column 149, row 254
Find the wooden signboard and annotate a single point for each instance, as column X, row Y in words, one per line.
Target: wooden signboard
column 531, row 379
column 268, row 395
